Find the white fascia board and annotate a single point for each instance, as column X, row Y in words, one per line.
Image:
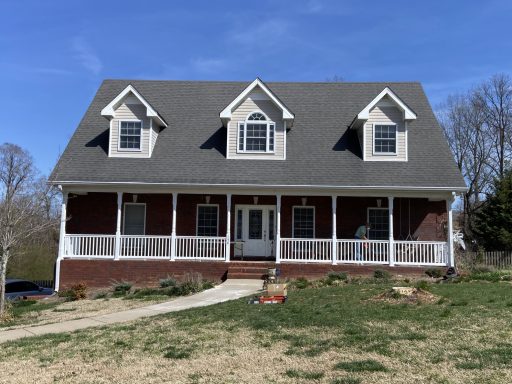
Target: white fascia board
column 109, row 110
column 408, row 113
column 226, row 112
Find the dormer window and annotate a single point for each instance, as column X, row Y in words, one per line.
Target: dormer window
column 384, row 139
column 130, row 133
column 256, row 134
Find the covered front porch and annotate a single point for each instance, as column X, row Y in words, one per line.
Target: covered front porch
column 284, row 228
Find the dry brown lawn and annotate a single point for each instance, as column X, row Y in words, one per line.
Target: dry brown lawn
column 327, row 335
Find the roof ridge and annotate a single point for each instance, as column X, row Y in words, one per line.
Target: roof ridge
column 266, row 82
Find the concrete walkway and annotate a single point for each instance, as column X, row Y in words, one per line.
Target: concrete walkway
column 229, row 290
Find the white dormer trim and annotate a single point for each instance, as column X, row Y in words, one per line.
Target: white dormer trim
column 109, row 110
column 225, row 115
column 408, row 113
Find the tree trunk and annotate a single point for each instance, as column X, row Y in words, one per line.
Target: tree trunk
column 3, row 270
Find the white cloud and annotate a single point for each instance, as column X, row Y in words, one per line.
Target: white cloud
column 86, row 55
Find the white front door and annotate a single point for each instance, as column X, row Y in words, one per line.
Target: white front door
column 255, row 229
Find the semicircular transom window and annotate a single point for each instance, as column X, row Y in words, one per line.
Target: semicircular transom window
column 257, row 116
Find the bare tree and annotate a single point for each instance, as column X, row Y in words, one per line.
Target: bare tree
column 463, row 120
column 495, row 97
column 335, row 79
column 21, row 207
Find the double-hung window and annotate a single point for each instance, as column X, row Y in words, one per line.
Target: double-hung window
column 256, row 134
column 378, row 219
column 384, row 142
column 207, row 220
column 130, row 133
column 304, row 222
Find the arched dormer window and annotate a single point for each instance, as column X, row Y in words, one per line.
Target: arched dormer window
column 256, row 133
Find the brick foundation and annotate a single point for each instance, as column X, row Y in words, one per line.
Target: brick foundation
column 102, row 273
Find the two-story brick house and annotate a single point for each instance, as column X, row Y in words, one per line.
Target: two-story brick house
column 165, row 177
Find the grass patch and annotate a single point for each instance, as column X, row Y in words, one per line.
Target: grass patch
column 361, row 366
column 296, row 342
column 298, row 374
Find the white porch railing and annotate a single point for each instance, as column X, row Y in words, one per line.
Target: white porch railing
column 97, row 246
column 420, row 253
column 292, row 250
column 363, row 251
column 148, row 247
column 306, row 250
column 206, row 248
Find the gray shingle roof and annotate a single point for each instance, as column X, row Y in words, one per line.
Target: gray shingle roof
column 320, row 148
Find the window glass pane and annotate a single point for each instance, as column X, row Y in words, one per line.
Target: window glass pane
column 241, row 129
column 271, row 224
column 379, row 224
column 385, row 139
column 256, row 137
column 256, row 116
column 130, row 134
column 303, row 222
column 255, row 224
column 134, row 216
column 272, row 128
column 207, row 220
column 239, row 224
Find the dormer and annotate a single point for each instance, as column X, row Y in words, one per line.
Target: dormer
column 134, row 125
column 256, row 122
column 382, row 128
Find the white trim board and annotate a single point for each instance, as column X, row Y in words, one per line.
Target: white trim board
column 109, row 110
column 226, row 113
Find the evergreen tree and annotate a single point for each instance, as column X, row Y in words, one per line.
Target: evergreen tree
column 494, row 221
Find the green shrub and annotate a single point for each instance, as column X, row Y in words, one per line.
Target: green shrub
column 336, row 276
column 208, row 284
column 435, row 273
column 145, row 292
column 101, row 295
column 168, row 282
column 301, row 283
column 121, row 288
column 381, row 274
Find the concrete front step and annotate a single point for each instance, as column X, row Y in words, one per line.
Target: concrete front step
column 249, row 271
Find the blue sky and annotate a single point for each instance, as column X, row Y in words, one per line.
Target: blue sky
column 54, row 54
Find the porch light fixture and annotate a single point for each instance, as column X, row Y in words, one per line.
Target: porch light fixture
column 379, row 203
column 207, row 199
column 304, row 201
column 134, row 198
column 255, row 199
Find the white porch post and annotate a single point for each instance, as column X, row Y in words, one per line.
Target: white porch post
column 118, row 225
column 278, row 228
column 173, row 225
column 451, row 254
column 391, row 236
column 228, row 226
column 334, row 239
column 62, row 238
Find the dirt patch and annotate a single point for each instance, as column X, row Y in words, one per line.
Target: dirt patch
column 405, row 295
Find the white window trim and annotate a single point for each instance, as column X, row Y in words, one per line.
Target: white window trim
column 197, row 217
column 266, row 122
column 368, row 216
column 293, row 220
column 373, row 140
column 124, row 216
column 119, row 149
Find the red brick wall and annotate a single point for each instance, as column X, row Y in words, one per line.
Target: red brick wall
column 96, row 213
column 104, row 273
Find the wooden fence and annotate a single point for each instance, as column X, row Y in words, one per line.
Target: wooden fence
column 496, row 259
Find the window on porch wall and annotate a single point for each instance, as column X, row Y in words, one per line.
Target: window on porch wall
column 207, row 220
column 303, row 222
column 378, row 218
